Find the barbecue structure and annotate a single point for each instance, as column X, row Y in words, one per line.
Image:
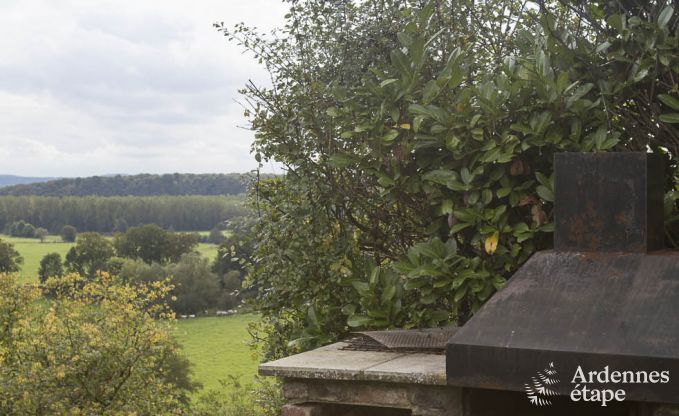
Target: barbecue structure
column 606, row 296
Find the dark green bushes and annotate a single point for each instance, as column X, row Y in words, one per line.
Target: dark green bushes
column 419, row 146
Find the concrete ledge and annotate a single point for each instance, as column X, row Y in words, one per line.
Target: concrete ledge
column 333, row 363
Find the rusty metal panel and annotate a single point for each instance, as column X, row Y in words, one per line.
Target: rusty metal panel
column 594, row 310
column 420, row 340
column 608, row 202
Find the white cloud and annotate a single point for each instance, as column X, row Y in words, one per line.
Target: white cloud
column 94, row 87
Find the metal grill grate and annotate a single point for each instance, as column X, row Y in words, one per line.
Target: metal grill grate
column 431, row 340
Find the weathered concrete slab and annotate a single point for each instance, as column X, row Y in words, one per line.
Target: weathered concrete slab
column 333, row 363
column 415, row 368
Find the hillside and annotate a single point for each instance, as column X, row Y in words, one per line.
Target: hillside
column 9, row 180
column 133, row 185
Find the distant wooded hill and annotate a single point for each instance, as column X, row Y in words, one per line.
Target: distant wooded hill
column 9, row 180
column 116, row 213
column 134, row 185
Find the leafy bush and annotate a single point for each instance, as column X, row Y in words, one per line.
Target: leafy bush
column 10, row 259
column 40, row 233
column 20, row 229
column 419, row 149
column 216, row 236
column 98, row 347
column 196, row 287
column 69, row 233
column 150, row 243
column 91, row 254
column 260, row 398
column 50, row 266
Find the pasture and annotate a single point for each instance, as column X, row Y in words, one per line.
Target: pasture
column 217, row 348
column 33, row 251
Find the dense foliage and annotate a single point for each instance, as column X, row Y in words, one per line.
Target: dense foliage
column 68, row 233
column 149, row 254
column 99, row 347
column 150, row 243
column 107, row 214
column 10, row 259
column 196, row 286
column 50, row 266
column 234, row 398
column 419, row 139
column 89, row 255
column 20, row 229
column 135, row 185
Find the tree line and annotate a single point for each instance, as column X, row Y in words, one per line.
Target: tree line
column 136, row 185
column 109, row 214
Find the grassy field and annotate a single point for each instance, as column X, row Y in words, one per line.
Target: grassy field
column 208, row 250
column 216, row 347
column 33, row 251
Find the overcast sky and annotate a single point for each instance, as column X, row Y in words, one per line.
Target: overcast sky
column 93, row 87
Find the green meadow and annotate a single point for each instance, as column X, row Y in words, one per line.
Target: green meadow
column 32, row 250
column 217, row 348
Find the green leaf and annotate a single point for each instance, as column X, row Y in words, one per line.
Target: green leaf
column 615, row 21
column 388, row 294
column 404, row 38
column 473, row 198
column 390, row 136
column 545, row 193
column 672, row 118
column 340, row 160
column 358, row 320
column 416, row 50
column 669, row 101
column 417, row 121
column 401, row 63
column 466, row 176
column 503, row 192
column 459, row 227
column 640, row 74
column 486, row 196
column 440, row 176
column 459, row 293
column 544, row 180
column 387, row 82
column 665, row 16
column 362, row 288
column 599, row 136
column 431, row 90
column 579, row 92
column 420, row 110
column 349, row 309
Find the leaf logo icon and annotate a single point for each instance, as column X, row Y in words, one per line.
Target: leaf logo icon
column 538, row 389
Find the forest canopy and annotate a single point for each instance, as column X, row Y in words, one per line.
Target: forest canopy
column 137, row 185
